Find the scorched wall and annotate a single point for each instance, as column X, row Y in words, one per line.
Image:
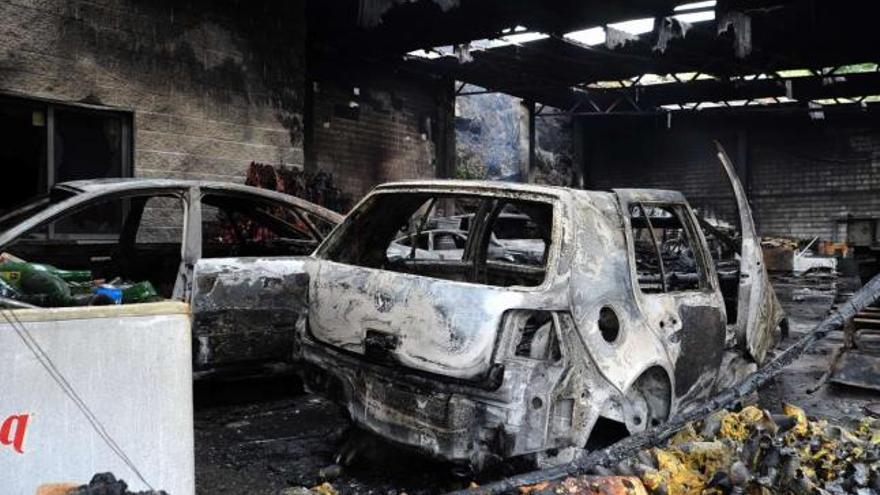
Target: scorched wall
column 802, row 175
column 370, row 127
column 213, row 85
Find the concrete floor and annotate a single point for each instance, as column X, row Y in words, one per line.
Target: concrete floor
column 263, row 436
column 807, row 304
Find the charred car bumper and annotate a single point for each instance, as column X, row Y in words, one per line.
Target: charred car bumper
column 451, row 421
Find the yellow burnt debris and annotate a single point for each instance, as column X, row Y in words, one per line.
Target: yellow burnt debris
column 735, row 426
column 757, row 453
column 325, row 489
column 802, row 424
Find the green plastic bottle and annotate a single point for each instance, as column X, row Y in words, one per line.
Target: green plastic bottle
column 140, row 292
column 13, row 271
column 43, row 285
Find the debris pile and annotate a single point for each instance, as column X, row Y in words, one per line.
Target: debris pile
column 779, row 253
column 780, row 242
column 36, row 284
column 755, row 452
column 106, row 484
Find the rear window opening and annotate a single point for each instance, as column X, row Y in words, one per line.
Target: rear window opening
column 463, row 237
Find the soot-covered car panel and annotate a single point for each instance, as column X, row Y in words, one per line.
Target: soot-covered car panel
column 615, row 322
column 222, row 247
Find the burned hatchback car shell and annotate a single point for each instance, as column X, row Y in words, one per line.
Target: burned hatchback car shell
column 619, row 324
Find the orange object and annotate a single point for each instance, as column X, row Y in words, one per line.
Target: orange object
column 56, row 488
column 591, row 485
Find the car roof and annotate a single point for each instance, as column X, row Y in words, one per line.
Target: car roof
column 473, row 185
column 484, row 187
column 112, row 185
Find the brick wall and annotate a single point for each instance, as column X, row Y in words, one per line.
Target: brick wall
column 371, row 127
column 801, row 175
column 213, row 85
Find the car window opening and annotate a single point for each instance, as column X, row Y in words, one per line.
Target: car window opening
column 234, row 226
column 464, row 237
column 664, row 241
column 112, row 251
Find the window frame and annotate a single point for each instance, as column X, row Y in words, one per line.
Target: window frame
column 301, row 213
column 49, row 106
column 83, row 201
column 558, row 235
column 685, row 217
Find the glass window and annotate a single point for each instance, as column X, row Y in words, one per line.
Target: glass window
column 23, row 154
column 88, row 144
column 47, row 143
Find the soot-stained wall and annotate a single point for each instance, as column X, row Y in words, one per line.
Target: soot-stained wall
column 212, row 85
column 802, row 176
column 373, row 126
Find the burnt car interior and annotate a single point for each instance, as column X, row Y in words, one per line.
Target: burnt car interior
column 234, row 226
column 114, row 237
column 365, row 238
column 663, row 246
column 138, row 236
column 724, row 245
column 665, row 260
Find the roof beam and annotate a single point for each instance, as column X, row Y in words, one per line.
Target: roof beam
column 713, row 90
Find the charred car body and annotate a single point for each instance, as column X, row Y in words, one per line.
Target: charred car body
column 215, row 245
column 621, row 323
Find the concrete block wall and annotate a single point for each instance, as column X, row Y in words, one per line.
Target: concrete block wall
column 807, row 177
column 801, row 175
column 211, row 89
column 372, row 127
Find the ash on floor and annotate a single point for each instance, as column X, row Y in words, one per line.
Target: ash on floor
column 807, row 300
column 267, row 436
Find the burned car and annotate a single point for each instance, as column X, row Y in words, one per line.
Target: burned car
column 618, row 326
column 148, row 240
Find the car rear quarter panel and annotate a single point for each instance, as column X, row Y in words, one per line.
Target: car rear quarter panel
column 601, row 277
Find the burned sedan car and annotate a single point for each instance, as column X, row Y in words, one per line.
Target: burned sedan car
column 147, row 240
column 618, row 326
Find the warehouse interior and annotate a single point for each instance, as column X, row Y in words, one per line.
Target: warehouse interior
column 325, row 100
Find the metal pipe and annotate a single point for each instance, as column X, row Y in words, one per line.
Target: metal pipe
column 7, row 303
